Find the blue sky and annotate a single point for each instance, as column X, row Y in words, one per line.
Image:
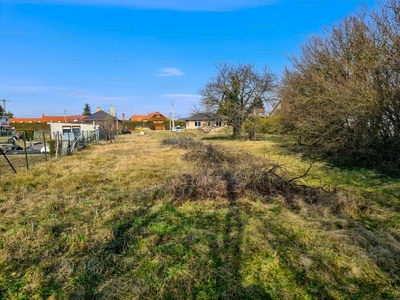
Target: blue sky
column 141, row 55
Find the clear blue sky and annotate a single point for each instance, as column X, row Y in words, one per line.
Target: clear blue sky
column 141, row 55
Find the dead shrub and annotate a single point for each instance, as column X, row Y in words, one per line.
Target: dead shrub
column 197, row 186
column 222, row 173
column 182, row 142
column 209, row 154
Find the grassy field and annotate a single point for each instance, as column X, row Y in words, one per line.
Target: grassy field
column 18, row 162
column 155, row 217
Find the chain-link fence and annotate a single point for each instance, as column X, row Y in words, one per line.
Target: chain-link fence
column 18, row 154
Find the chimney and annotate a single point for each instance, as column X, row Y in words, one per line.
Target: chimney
column 112, row 111
column 98, row 109
column 123, row 117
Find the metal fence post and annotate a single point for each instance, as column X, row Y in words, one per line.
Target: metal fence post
column 45, row 148
column 26, row 153
column 4, row 154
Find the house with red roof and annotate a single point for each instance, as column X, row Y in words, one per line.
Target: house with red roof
column 156, row 118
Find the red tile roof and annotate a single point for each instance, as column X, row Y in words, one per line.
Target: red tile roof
column 139, row 118
column 150, row 117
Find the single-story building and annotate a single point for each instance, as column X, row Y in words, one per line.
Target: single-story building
column 205, row 120
column 70, row 131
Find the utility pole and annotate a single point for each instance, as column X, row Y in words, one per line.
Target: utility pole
column 173, row 121
column 65, row 116
column 4, row 107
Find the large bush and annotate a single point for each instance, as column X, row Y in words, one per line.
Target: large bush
column 342, row 95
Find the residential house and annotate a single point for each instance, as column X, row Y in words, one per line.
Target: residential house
column 205, row 120
column 156, row 118
column 99, row 117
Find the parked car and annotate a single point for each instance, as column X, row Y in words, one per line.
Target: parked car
column 177, row 128
column 45, row 149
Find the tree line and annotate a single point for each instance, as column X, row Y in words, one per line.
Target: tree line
column 342, row 96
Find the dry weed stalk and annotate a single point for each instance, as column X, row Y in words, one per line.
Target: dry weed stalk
column 222, row 173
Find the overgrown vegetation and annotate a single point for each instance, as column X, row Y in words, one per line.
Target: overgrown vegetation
column 196, row 220
column 223, row 173
column 342, row 96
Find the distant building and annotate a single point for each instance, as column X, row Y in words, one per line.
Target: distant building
column 70, row 131
column 259, row 112
column 156, row 118
column 4, row 123
column 205, row 120
column 99, row 117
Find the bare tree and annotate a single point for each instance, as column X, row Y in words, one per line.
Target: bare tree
column 109, row 128
column 236, row 91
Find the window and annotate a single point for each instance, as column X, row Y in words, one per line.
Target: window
column 197, row 123
column 76, row 131
column 67, row 133
column 66, row 129
column 218, row 124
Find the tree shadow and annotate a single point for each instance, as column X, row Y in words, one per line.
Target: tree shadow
column 227, row 255
column 87, row 281
column 218, row 138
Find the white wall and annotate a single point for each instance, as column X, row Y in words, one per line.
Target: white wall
column 58, row 127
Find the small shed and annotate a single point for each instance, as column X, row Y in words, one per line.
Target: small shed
column 71, row 131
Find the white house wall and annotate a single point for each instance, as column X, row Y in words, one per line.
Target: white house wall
column 57, row 128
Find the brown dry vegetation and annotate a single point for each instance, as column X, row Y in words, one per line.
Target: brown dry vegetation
column 18, row 162
column 186, row 219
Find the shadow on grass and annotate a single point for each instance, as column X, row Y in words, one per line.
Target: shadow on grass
column 218, row 138
column 226, row 253
column 105, row 261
